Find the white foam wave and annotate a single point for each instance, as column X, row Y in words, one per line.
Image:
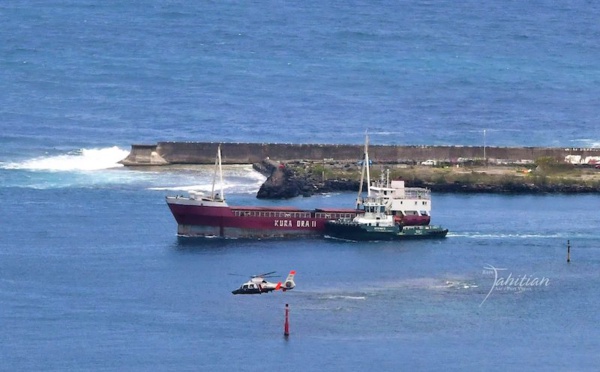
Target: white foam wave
column 79, row 160
column 342, row 297
column 236, row 180
column 207, row 188
column 587, row 142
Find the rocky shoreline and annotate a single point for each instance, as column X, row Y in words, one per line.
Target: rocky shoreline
column 288, row 180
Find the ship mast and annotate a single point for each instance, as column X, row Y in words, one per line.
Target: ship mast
column 367, row 165
column 221, row 175
column 219, row 168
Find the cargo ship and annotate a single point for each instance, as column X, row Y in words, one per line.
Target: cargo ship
column 200, row 215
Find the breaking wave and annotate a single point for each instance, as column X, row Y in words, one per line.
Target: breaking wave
column 236, row 179
column 587, row 142
column 78, row 160
column 100, row 166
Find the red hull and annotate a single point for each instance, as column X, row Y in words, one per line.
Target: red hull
column 249, row 222
column 257, row 222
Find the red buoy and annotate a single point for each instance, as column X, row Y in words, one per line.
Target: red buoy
column 286, row 326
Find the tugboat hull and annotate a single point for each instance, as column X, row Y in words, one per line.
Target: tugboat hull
column 349, row 230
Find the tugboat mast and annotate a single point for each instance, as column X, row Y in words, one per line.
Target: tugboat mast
column 365, row 165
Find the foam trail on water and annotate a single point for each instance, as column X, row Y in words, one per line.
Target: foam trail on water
column 345, row 297
column 80, row 160
column 504, row 236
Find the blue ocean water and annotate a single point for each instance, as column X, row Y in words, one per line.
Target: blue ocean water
column 92, row 276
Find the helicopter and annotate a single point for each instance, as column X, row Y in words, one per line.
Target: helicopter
column 259, row 285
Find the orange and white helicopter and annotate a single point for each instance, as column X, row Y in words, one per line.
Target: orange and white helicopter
column 259, row 285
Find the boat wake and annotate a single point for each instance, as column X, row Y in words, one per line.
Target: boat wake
column 508, row 236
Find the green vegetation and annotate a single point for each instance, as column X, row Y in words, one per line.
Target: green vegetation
column 546, row 172
column 551, row 166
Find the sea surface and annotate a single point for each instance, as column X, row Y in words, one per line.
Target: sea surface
column 93, row 276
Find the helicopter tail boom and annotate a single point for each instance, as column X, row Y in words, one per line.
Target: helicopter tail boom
column 289, row 281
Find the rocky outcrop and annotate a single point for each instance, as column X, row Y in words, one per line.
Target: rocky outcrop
column 282, row 182
column 286, row 182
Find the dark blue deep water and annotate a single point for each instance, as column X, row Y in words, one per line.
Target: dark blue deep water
column 93, row 277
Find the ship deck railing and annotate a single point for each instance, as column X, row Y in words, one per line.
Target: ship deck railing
column 344, row 221
column 420, row 227
column 416, row 193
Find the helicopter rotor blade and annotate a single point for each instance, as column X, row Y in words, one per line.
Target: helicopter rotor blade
column 263, row 275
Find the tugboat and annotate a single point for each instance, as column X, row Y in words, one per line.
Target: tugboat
column 383, row 217
column 377, row 224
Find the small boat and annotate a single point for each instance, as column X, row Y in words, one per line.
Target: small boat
column 377, row 224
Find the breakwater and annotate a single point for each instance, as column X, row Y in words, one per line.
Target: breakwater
column 165, row 153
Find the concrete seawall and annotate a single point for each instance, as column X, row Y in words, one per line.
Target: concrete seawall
column 164, row 153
